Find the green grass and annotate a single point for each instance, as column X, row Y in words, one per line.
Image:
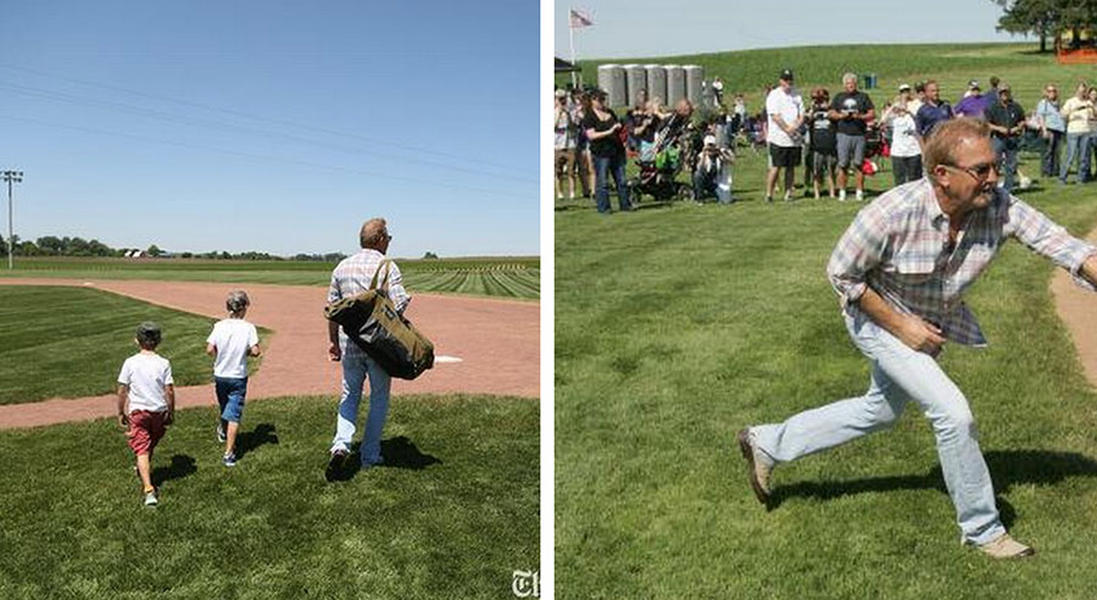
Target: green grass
column 70, row 342
column 515, row 277
column 678, row 325
column 451, row 516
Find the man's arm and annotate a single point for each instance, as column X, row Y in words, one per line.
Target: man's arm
column 334, row 352
column 1042, row 235
column 910, row 329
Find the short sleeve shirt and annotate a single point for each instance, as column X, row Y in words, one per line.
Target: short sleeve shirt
column 147, row 376
column 822, row 131
column 850, row 102
column 233, row 339
column 789, row 106
column 1009, row 115
column 609, row 145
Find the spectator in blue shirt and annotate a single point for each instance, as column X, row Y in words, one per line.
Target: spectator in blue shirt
column 932, row 112
column 1052, row 130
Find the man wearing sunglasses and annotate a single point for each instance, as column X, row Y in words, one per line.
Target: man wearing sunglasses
column 901, row 269
column 1006, row 119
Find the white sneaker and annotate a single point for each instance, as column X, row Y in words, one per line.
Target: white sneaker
column 150, row 499
column 860, row 195
column 841, row 195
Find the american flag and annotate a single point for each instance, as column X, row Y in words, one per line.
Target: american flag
column 580, row 19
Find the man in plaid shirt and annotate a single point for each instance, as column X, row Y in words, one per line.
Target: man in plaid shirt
column 901, row 270
column 352, row 276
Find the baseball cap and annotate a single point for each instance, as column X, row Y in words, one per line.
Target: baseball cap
column 561, row 93
column 973, row 85
column 904, row 87
column 786, row 75
column 710, row 140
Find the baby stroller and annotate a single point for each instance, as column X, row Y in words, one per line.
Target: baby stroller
column 659, row 163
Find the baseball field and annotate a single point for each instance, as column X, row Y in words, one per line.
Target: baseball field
column 677, row 325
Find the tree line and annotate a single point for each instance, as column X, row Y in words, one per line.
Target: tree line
column 76, row 246
column 1045, row 18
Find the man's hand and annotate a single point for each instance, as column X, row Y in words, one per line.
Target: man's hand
column 123, row 421
column 334, row 353
column 920, row 335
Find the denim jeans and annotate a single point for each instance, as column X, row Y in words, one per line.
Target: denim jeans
column 899, row 374
column 1050, row 165
column 906, row 168
column 1077, row 144
column 355, row 368
column 231, row 392
column 603, row 165
column 1006, row 151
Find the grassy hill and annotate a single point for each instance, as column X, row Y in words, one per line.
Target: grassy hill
column 677, row 325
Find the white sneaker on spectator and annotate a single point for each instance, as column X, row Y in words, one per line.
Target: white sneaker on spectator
column 860, row 195
column 842, row 195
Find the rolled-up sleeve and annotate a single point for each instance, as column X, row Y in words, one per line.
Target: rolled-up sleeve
column 857, row 252
column 334, row 294
column 1042, row 235
column 397, row 293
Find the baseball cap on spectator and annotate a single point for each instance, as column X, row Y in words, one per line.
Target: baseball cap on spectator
column 710, row 140
column 904, row 87
column 786, row 75
column 973, row 85
column 561, row 94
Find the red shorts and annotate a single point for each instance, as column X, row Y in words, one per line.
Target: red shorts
column 146, row 429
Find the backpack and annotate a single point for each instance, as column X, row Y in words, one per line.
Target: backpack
column 371, row 321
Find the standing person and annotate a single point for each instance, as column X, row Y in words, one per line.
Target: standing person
column 931, row 113
column 603, row 130
column 352, row 276
column 146, row 402
column 973, row 104
column 564, row 147
column 634, row 117
column 1091, row 141
column 852, row 109
column 900, row 271
column 919, row 98
column 584, row 164
column 1006, row 120
column 824, row 145
column 906, row 154
column 992, row 93
column 785, row 112
column 230, row 344
column 1052, row 130
column 1077, row 111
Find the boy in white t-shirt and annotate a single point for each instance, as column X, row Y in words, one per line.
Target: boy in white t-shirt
column 231, row 342
column 146, row 402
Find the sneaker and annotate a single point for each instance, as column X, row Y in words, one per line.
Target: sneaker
column 769, row 199
column 788, row 197
column 221, row 434
column 150, row 498
column 335, row 465
column 860, row 195
column 229, row 460
column 841, row 195
column 758, row 470
column 1005, row 546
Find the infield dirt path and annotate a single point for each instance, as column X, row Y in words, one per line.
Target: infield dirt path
column 1078, row 310
column 497, row 341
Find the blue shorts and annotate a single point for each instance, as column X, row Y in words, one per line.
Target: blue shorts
column 230, row 396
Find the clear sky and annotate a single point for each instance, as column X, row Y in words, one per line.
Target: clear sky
column 274, row 126
column 644, row 28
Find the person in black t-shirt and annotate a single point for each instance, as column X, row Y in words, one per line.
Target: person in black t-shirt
column 851, row 109
column 1006, row 119
column 604, row 132
column 824, row 146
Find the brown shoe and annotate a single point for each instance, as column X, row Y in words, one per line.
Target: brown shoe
column 757, row 471
column 1005, row 546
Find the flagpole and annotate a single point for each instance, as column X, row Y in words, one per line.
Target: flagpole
column 571, row 39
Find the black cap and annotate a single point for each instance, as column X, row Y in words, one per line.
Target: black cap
column 786, row 75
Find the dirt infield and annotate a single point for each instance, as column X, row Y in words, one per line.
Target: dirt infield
column 497, row 340
column 1076, row 308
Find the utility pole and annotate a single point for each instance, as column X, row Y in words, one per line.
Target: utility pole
column 11, row 177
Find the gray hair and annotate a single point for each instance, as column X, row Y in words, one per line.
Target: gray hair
column 848, row 77
column 237, row 302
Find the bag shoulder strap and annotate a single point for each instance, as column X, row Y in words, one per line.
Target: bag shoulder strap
column 373, row 282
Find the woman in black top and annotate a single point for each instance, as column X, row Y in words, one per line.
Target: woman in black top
column 604, row 132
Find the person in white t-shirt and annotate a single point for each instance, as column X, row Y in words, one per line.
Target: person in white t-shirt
column 906, row 153
column 230, row 344
column 146, row 402
column 785, row 109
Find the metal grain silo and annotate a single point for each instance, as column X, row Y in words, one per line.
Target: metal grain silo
column 657, row 82
column 637, row 79
column 611, row 79
column 676, row 84
column 695, row 76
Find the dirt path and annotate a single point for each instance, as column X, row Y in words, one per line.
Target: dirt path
column 497, row 341
column 1078, row 310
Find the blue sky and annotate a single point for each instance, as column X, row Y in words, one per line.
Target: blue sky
column 643, row 28
column 274, row 126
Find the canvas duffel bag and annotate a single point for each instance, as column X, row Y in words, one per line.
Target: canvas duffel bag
column 370, row 320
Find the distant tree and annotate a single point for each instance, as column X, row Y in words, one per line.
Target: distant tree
column 225, row 255
column 3, row 246
column 50, row 245
column 186, row 255
column 27, row 248
column 430, row 255
column 1044, row 18
column 154, row 251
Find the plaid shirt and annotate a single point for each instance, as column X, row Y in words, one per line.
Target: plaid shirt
column 353, row 275
column 899, row 246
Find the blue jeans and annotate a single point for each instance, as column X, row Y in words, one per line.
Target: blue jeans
column 1006, row 151
column 899, row 374
column 1077, row 145
column 603, row 166
column 355, row 369
column 231, row 392
column 1050, row 163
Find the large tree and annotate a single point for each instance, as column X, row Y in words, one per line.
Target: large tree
column 1044, row 18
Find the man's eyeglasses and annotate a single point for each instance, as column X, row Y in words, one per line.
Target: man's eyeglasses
column 979, row 172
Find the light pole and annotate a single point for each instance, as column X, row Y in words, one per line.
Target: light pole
column 11, row 177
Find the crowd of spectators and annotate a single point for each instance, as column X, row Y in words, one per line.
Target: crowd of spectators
column 832, row 137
